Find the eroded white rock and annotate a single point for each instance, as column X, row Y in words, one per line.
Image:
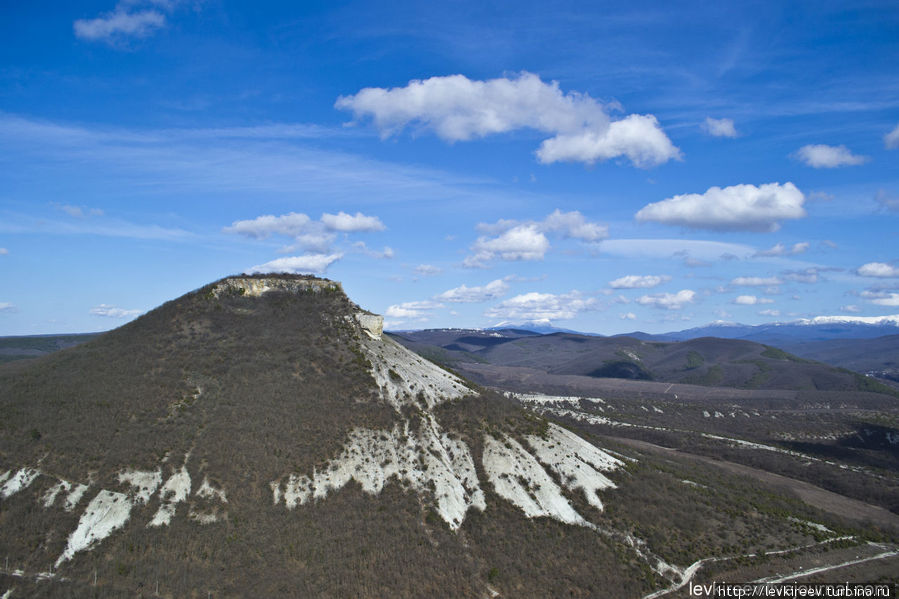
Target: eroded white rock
column 106, row 513
column 517, row 476
column 578, row 463
column 425, row 459
column 20, row 480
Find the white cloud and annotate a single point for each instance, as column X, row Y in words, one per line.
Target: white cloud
column 628, row 316
column 637, row 136
column 128, row 19
column 769, row 312
column 889, row 299
column 292, row 224
column 735, row 208
column 751, row 300
column 668, row 301
column 7, row 307
column 346, row 223
column 756, row 281
column 314, row 237
column 851, row 308
column 4, row 251
column 457, row 108
column 414, row 310
column 427, row 270
column 824, row 156
column 780, row 249
column 108, row 311
column 639, row 281
column 878, row 270
column 307, row 264
column 891, row 139
column 465, row 294
column 573, row 225
column 542, row 306
column 719, row 127
column 526, row 240
column 523, row 242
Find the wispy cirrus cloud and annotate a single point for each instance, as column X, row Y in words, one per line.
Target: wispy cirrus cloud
column 457, row 108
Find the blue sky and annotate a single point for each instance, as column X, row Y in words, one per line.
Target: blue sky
column 609, row 167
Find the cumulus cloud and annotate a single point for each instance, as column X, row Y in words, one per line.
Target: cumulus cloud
column 751, row 300
column 412, row 310
column 824, row 156
column 573, row 225
column 891, row 139
column 637, row 136
column 756, row 281
column 7, row 307
column 639, row 281
column 292, row 224
column 427, row 270
column 736, row 208
column 888, row 299
column 542, row 306
column 851, row 308
column 879, row 270
column 129, row 19
column 465, row 294
column 351, row 223
column 307, row 264
column 780, row 249
column 457, row 108
column 527, row 240
column 719, row 127
column 628, row 316
column 314, row 237
column 108, row 311
column 523, row 242
column 769, row 312
column 668, row 301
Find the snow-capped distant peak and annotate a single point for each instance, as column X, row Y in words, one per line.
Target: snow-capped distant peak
column 873, row 320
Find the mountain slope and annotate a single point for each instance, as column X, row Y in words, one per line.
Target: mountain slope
column 255, row 433
column 702, row 361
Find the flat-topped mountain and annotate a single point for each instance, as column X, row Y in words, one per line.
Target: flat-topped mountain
column 260, row 436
